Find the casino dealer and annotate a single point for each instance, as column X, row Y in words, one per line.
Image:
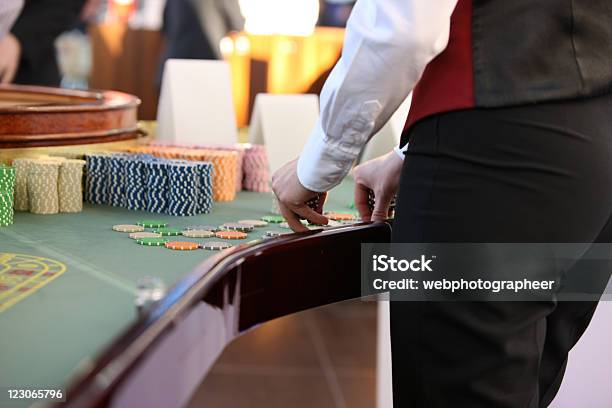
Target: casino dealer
column 507, row 140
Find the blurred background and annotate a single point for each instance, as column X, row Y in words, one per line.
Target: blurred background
column 273, row 46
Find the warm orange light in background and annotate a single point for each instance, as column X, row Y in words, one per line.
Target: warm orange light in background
column 293, row 63
column 126, row 57
column 121, row 10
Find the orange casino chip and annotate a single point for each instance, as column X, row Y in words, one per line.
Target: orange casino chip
column 231, row 235
column 182, row 246
column 340, row 216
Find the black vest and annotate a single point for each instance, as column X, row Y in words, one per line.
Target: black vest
column 517, row 52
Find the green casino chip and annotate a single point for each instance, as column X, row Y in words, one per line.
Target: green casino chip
column 235, row 226
column 152, row 223
column 168, row 232
column 152, row 241
column 273, row 219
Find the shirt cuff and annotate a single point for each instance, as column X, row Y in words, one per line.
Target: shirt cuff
column 322, row 166
column 401, row 151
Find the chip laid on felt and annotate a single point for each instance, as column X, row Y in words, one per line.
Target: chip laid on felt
column 168, row 232
column 152, row 223
column 128, row 228
column 198, row 233
column 182, row 245
column 273, row 219
column 152, row 241
column 235, row 226
column 336, row 216
column 139, row 235
column 254, row 223
column 215, row 245
column 212, row 228
column 231, row 235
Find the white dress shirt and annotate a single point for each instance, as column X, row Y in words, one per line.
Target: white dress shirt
column 9, row 11
column 387, row 46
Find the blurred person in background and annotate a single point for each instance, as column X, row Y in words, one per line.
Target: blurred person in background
column 193, row 29
column 30, row 57
column 74, row 49
column 9, row 10
column 335, row 13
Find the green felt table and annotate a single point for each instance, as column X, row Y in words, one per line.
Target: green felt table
column 55, row 329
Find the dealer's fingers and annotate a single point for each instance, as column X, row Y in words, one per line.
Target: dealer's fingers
column 292, row 219
column 362, row 193
column 311, row 215
column 381, row 206
column 9, row 74
column 321, row 203
column 3, row 72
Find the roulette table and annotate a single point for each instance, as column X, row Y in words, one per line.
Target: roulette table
column 69, row 289
column 32, row 116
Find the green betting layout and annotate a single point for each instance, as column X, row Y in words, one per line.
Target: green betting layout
column 68, row 282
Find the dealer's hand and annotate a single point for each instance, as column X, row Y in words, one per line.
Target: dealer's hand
column 292, row 197
column 381, row 176
column 10, row 54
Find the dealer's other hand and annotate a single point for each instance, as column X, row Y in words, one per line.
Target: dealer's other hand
column 380, row 175
column 293, row 198
column 10, row 54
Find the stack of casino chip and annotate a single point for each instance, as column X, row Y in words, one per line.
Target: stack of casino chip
column 7, row 186
column 252, row 166
column 205, row 197
column 135, row 178
column 42, row 182
column 21, row 166
column 239, row 166
column 70, row 186
column 240, row 151
column 142, row 182
column 256, row 169
column 183, row 179
column 224, row 162
column 224, row 170
column 96, row 179
column 156, row 181
column 48, row 185
column 117, row 168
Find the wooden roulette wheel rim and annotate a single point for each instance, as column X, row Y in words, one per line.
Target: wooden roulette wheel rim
column 33, row 116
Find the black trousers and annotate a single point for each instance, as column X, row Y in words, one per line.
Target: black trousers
column 540, row 173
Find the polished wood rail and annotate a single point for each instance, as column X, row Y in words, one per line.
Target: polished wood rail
column 254, row 283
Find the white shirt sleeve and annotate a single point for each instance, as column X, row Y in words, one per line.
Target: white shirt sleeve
column 9, row 11
column 388, row 44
